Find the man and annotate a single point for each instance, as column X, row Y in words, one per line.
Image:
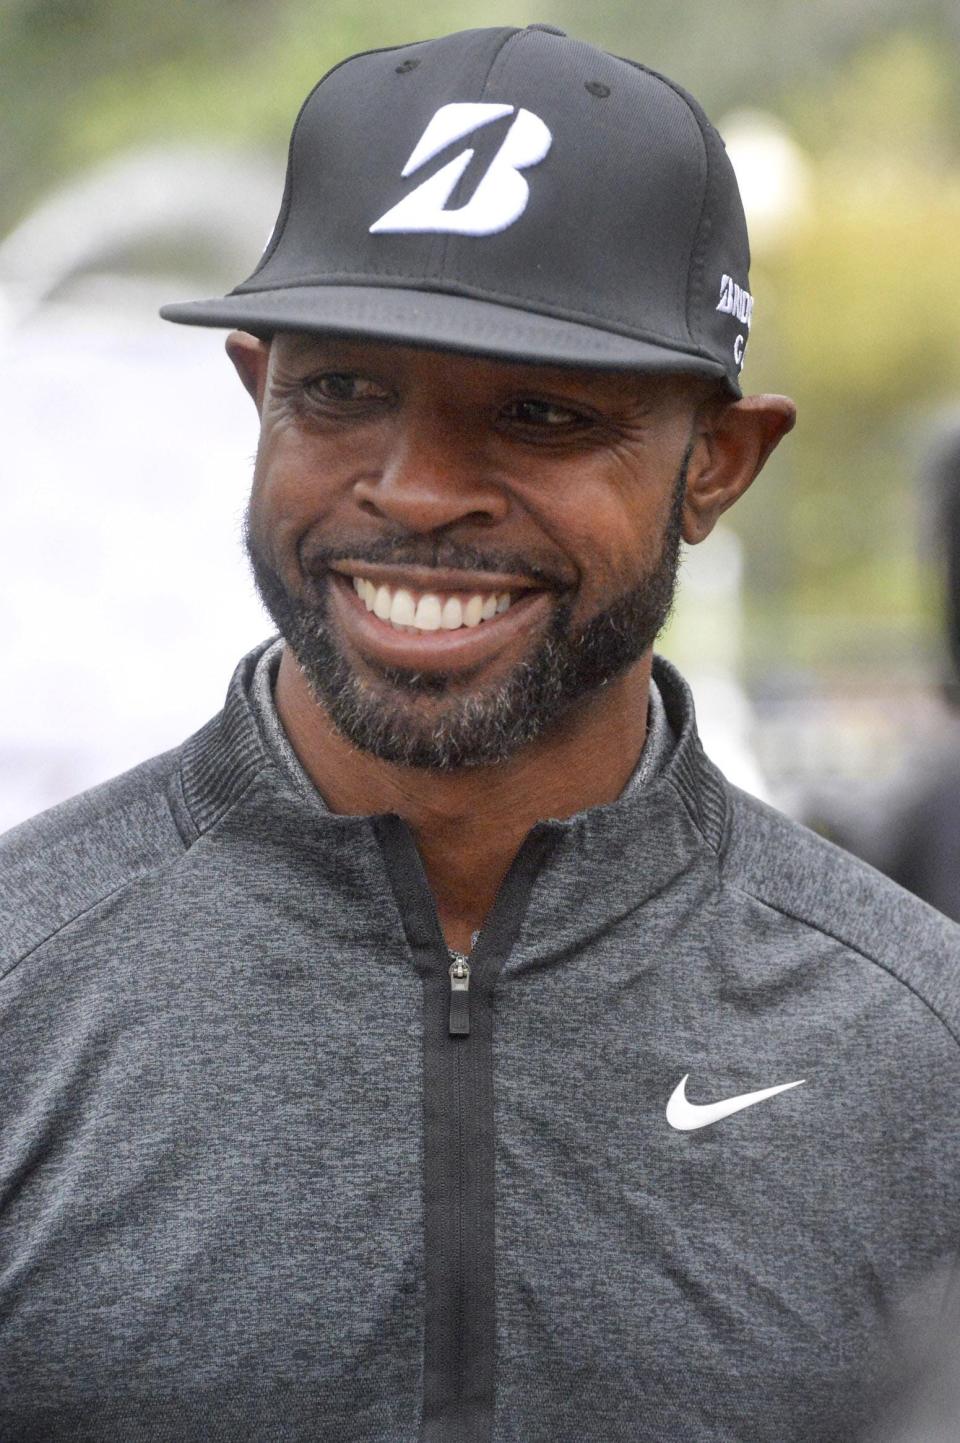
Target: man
column 908, row 825
column 435, row 1046
column 918, row 841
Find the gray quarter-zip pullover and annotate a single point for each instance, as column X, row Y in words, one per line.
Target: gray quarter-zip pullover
column 253, row 1188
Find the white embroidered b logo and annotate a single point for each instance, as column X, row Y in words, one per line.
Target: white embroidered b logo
column 502, row 194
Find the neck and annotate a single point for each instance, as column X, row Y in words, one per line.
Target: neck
column 469, row 825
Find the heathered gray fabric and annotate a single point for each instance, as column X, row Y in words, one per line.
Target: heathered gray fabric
column 211, row 1115
column 264, row 711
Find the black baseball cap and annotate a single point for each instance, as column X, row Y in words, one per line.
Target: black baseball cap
column 512, row 193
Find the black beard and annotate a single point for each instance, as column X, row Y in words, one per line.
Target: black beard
column 479, row 728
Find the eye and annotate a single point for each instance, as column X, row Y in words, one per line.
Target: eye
column 533, row 413
column 344, row 388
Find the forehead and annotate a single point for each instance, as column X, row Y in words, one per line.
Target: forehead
column 302, row 352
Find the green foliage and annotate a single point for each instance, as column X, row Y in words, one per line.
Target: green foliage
column 858, row 318
column 895, row 104
column 78, row 81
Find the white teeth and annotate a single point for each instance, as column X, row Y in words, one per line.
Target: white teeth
column 382, row 603
column 402, row 609
column 428, row 613
column 366, row 591
column 409, row 612
column 452, row 615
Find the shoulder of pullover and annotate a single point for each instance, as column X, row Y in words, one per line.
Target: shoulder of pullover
column 60, row 864
column 798, row 873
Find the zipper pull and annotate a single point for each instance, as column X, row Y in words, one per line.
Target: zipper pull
column 459, row 995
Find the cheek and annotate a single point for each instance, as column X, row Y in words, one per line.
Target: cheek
column 612, row 534
column 296, row 484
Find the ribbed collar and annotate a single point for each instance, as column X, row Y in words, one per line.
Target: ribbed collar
column 600, row 864
column 656, row 750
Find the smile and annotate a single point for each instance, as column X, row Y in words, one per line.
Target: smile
column 424, row 628
column 428, row 610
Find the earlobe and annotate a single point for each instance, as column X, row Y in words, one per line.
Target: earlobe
column 250, row 357
column 735, row 443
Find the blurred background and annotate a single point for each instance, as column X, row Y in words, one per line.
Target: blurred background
column 143, row 162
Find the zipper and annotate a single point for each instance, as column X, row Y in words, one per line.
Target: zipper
column 458, row 1178
column 459, row 994
column 459, row 970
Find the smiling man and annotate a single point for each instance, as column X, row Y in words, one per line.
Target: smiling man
column 435, row 1046
column 470, row 560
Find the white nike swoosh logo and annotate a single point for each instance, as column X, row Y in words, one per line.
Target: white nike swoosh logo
column 689, row 1116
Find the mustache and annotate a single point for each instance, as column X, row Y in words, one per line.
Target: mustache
column 438, row 552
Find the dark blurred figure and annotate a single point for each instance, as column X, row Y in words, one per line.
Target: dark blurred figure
column 910, row 828
column 920, row 848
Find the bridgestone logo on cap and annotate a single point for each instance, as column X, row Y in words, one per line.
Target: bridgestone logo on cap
column 502, row 193
column 735, row 301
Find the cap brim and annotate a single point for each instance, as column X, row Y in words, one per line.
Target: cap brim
column 447, row 322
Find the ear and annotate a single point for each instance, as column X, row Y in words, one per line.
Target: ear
column 251, row 357
column 735, row 438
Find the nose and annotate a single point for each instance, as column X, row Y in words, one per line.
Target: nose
column 430, row 474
